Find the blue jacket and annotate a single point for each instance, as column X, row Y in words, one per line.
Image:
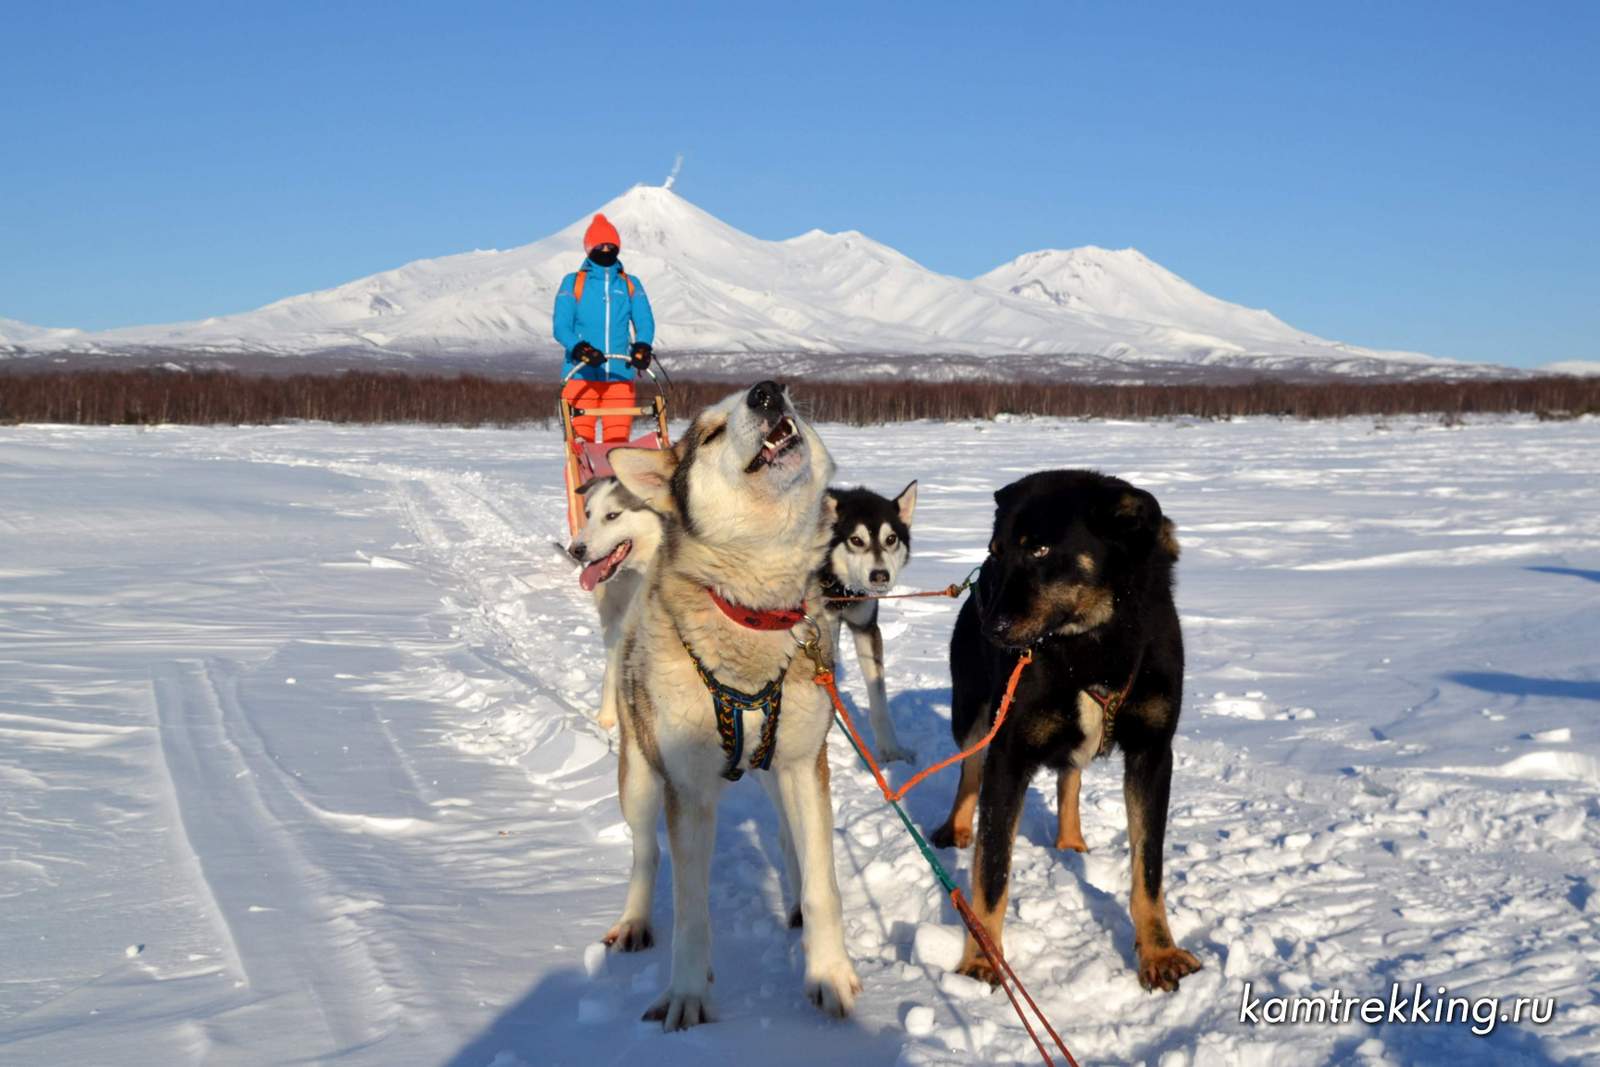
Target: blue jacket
column 602, row 318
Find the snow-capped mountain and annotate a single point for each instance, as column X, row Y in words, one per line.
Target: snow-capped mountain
column 18, row 335
column 1125, row 284
column 721, row 295
column 1582, row 368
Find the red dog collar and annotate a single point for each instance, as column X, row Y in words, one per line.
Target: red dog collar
column 754, row 619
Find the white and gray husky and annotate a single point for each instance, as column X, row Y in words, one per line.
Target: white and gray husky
column 616, row 547
column 712, row 682
column 871, row 542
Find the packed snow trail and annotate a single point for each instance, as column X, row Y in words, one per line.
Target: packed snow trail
column 300, row 761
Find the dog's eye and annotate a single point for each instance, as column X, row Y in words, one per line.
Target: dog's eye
column 891, row 540
column 857, row 542
column 714, row 434
column 613, row 516
column 1040, row 552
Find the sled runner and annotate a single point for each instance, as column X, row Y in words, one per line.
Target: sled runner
column 586, row 460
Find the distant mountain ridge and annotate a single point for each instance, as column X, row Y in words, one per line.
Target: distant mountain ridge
column 830, row 303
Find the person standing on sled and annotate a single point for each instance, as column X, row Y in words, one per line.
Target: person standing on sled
column 603, row 321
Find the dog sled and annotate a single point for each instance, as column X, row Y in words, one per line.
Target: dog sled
column 587, row 460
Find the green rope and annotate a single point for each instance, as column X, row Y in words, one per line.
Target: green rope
column 927, row 850
column 916, row 835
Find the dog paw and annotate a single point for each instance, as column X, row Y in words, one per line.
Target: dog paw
column 896, row 752
column 980, row 968
column 629, row 935
column 606, row 718
column 951, row 836
column 833, row 989
column 1074, row 843
column 679, row 1011
column 1161, row 968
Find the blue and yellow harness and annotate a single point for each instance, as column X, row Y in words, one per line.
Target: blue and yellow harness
column 728, row 706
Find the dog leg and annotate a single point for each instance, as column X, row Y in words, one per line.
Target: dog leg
column 1005, row 785
column 791, row 862
column 831, row 981
column 639, row 790
column 609, row 698
column 691, row 831
column 1069, row 829
column 957, row 829
column 1146, row 788
column 869, row 652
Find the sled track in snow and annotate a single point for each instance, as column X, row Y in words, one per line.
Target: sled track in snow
column 237, row 807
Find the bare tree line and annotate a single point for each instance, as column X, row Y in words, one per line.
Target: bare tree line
column 153, row 396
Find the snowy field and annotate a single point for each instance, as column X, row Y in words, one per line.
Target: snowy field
column 297, row 764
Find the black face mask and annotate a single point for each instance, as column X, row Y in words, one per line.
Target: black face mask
column 603, row 257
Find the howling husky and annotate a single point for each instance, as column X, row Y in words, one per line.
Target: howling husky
column 618, row 543
column 712, row 683
column 871, row 543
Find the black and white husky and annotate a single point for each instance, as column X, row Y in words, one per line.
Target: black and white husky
column 871, row 543
column 616, row 548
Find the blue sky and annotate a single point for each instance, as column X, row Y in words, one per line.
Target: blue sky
column 1404, row 175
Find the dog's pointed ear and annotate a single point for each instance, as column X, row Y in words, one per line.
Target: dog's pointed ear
column 1133, row 517
column 830, row 508
column 1007, row 496
column 592, row 483
column 907, row 503
column 646, row 473
column 1168, row 539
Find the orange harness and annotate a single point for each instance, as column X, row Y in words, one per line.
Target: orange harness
column 577, row 284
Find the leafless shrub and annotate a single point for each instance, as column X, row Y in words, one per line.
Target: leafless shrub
column 141, row 397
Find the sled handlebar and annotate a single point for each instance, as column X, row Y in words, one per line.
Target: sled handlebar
column 576, row 367
column 610, row 359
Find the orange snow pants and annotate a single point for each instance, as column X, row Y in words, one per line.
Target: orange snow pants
column 600, row 395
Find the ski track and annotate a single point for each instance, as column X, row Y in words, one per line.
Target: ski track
column 1380, row 776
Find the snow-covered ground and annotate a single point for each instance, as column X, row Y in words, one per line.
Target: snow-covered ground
column 296, row 761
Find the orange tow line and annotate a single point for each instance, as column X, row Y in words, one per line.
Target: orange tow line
column 1008, row 979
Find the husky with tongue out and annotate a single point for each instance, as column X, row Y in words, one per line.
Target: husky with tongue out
column 618, row 543
column 713, row 685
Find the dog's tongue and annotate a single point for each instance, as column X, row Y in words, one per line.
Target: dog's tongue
column 604, row 567
column 777, row 438
column 592, row 574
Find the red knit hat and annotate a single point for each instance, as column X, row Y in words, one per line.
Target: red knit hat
column 600, row 232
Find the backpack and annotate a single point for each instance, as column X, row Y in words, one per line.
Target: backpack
column 577, row 285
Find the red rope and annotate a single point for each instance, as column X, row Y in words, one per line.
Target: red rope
column 1006, row 977
column 1003, row 971
column 952, row 591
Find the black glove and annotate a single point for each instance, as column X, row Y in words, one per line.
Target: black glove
column 584, row 352
column 639, row 355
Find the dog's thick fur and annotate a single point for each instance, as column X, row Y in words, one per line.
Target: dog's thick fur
column 871, row 542
column 1080, row 570
column 754, row 531
column 616, row 523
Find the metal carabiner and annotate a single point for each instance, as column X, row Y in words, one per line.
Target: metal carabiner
column 811, row 646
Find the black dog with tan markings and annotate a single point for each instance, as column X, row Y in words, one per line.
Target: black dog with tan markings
column 1079, row 570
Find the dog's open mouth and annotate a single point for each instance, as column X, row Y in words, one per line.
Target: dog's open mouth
column 782, row 439
column 604, row 567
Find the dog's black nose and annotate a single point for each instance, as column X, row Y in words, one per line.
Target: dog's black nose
column 765, row 396
column 577, row 550
column 878, row 576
